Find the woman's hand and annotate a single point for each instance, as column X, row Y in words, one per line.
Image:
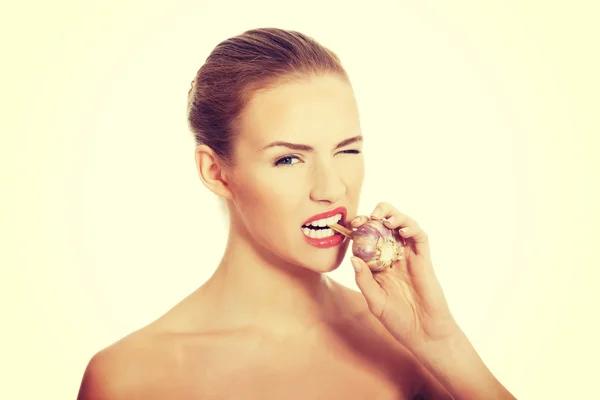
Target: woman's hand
column 407, row 298
column 409, row 302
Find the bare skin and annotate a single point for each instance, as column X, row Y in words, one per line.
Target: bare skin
column 270, row 323
column 351, row 356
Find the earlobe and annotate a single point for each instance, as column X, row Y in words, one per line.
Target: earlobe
column 211, row 172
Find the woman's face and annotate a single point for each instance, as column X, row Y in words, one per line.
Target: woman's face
column 278, row 188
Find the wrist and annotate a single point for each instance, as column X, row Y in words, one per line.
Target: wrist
column 452, row 341
column 454, row 362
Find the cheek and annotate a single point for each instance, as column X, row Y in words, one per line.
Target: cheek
column 265, row 200
column 353, row 174
column 268, row 212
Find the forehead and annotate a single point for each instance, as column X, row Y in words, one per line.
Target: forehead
column 317, row 109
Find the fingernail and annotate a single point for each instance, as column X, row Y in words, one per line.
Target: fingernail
column 356, row 219
column 404, row 230
column 391, row 220
column 355, row 264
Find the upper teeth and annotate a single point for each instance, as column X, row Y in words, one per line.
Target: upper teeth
column 325, row 221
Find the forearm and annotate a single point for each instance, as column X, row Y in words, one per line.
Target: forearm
column 458, row 367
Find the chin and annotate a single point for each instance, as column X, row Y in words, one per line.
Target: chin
column 324, row 268
column 323, row 262
column 319, row 260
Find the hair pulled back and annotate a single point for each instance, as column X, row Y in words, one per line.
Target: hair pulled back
column 257, row 59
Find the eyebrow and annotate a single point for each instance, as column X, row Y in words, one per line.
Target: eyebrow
column 304, row 147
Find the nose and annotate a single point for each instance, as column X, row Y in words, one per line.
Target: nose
column 328, row 186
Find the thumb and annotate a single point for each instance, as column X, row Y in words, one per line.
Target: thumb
column 369, row 287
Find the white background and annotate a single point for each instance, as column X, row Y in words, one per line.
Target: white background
column 480, row 121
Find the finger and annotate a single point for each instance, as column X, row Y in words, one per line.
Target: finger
column 409, row 228
column 380, row 210
column 416, row 239
column 398, row 220
column 359, row 220
column 369, row 287
column 415, row 233
column 392, row 217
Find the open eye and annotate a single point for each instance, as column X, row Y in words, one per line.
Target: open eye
column 284, row 160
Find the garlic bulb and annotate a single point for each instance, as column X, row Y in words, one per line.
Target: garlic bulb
column 379, row 247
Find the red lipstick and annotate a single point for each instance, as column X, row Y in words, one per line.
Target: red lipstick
column 330, row 241
column 327, row 214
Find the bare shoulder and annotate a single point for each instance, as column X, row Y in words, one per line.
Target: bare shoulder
column 159, row 360
column 119, row 370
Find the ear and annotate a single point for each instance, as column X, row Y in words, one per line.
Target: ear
column 210, row 171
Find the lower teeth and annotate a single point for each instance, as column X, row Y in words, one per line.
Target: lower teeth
column 318, row 234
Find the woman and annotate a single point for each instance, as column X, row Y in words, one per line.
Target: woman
column 279, row 140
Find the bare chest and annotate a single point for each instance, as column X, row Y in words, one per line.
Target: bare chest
column 350, row 361
column 269, row 382
column 298, row 375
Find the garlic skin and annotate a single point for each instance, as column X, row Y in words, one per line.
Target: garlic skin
column 378, row 246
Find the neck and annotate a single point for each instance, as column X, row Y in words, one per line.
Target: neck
column 252, row 288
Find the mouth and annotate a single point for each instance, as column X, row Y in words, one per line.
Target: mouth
column 317, row 227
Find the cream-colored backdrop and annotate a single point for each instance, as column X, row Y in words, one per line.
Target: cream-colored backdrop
column 480, row 121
